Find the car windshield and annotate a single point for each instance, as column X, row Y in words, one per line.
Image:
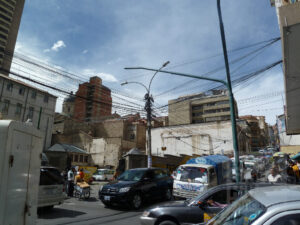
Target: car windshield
column 248, row 165
column 132, row 175
column 192, row 174
column 99, row 172
column 244, row 211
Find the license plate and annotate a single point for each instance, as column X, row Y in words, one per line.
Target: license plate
column 106, row 198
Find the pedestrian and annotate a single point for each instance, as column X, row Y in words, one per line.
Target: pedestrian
column 71, row 182
column 274, row 177
column 81, row 173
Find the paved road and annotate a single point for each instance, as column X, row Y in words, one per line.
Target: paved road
column 88, row 212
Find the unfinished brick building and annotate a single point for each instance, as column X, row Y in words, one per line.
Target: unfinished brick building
column 93, row 101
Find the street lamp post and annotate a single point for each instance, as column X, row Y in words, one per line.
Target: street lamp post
column 148, row 107
column 231, row 102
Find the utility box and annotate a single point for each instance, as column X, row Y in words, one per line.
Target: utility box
column 20, row 160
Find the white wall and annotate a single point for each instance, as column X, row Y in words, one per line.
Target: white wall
column 286, row 140
column 205, row 138
column 106, row 151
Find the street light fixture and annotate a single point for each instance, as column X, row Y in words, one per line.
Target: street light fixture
column 148, row 107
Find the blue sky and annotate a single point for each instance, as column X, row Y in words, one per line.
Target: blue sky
column 101, row 37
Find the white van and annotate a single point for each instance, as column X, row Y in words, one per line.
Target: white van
column 103, row 174
column 51, row 188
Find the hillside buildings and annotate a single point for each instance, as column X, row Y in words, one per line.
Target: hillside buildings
column 10, row 17
column 258, row 133
column 22, row 102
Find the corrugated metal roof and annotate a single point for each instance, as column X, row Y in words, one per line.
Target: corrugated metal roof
column 66, row 148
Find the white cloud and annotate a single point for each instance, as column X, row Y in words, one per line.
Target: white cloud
column 58, row 45
column 85, row 51
column 104, row 76
column 107, row 77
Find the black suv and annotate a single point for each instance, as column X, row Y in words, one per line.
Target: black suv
column 137, row 185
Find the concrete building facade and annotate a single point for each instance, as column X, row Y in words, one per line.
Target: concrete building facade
column 105, row 141
column 193, row 139
column 259, row 135
column 288, row 143
column 93, row 101
column 200, row 108
column 20, row 101
column 10, row 17
column 288, row 12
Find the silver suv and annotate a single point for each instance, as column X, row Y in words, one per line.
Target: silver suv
column 278, row 205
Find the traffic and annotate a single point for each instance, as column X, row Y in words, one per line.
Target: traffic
column 201, row 191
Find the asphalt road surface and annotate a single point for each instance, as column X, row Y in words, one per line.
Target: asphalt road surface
column 89, row 212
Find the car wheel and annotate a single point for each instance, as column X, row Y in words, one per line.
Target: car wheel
column 136, row 201
column 106, row 204
column 168, row 194
column 167, row 222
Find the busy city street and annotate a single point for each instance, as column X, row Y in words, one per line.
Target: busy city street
column 88, row 212
column 149, row 112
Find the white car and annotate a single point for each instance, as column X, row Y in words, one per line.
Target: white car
column 51, row 188
column 103, row 174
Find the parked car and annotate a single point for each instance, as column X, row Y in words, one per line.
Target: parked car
column 51, row 188
column 196, row 210
column 268, row 205
column 137, row 185
column 103, row 174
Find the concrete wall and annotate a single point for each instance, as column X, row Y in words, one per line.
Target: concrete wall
column 110, row 129
column 179, row 113
column 80, row 140
column 43, row 111
column 106, row 151
column 289, row 24
column 194, row 139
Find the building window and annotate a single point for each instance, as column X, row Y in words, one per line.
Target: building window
column 197, row 114
column 9, row 87
column 86, row 159
column 30, row 112
column 76, row 158
column 21, row 91
column 18, row 109
column 71, row 157
column 69, row 108
column 196, row 107
column 132, row 136
column 5, row 106
column 33, row 94
column 81, row 158
column 46, row 98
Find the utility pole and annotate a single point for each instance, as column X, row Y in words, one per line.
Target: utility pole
column 148, row 108
column 231, row 100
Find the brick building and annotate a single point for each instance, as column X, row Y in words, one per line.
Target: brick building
column 93, row 100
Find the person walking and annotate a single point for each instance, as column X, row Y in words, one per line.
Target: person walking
column 71, row 182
